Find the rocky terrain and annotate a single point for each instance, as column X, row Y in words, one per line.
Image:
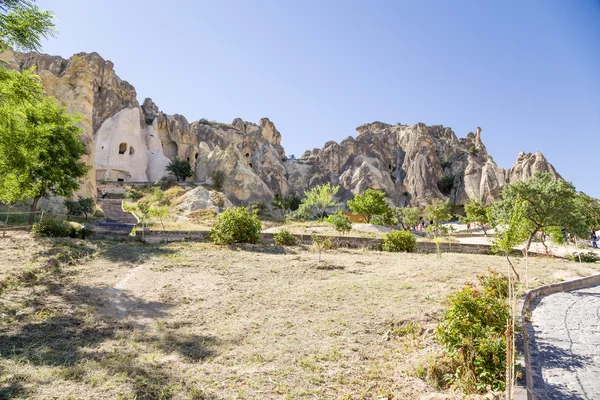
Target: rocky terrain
column 130, row 142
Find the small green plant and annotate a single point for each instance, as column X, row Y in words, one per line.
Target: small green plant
column 285, row 238
column 340, row 221
column 236, row 225
column 399, row 241
column 472, row 332
column 321, row 243
column 133, row 194
column 473, row 151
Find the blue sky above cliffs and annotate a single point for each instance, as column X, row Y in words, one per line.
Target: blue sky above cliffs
column 527, row 72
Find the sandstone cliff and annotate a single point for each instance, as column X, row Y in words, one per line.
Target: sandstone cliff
column 127, row 141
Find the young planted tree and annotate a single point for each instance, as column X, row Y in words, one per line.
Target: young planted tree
column 545, row 202
column 369, row 203
column 478, row 214
column 321, row 197
column 410, row 216
column 438, row 212
column 180, row 169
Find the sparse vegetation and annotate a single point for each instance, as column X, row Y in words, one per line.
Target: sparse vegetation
column 83, row 206
column 321, row 197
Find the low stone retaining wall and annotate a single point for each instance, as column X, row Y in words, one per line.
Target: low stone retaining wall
column 525, row 319
column 156, row 236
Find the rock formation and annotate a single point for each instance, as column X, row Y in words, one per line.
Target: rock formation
column 130, row 142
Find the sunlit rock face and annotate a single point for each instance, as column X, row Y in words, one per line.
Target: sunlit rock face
column 130, row 142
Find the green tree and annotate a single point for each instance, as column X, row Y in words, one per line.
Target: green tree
column 321, row 197
column 590, row 209
column 181, row 169
column 160, row 212
column 22, row 25
column 47, row 143
column 83, row 206
column 477, row 213
column 545, row 202
column 340, row 222
column 369, row 203
column 410, row 215
column 438, row 212
column 236, row 225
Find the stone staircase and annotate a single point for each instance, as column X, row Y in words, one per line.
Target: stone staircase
column 115, row 219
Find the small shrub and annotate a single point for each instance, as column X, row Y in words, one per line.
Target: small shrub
column 473, row 151
column 321, row 243
column 472, row 332
column 285, row 238
column 133, row 194
column 303, row 213
column 218, row 180
column 340, row 222
column 589, row 257
column 180, row 169
column 236, row 225
column 259, row 208
column 80, row 232
column 399, row 241
column 167, row 182
column 51, row 227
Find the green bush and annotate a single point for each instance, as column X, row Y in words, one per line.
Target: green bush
column 303, row 213
column 388, row 218
column 399, row 241
column 51, row 227
column 236, row 225
column 340, row 222
column 589, row 257
column 472, row 332
column 285, row 238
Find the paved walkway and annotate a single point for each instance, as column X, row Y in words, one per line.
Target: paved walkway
column 565, row 348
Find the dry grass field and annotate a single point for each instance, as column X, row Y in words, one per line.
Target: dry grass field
column 126, row 320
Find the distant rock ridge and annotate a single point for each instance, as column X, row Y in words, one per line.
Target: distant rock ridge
column 127, row 141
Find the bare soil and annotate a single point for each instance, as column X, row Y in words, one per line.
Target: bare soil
column 125, row 320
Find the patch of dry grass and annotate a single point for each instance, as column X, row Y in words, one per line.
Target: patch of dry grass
column 199, row 321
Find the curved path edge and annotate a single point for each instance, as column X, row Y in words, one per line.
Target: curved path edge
column 527, row 328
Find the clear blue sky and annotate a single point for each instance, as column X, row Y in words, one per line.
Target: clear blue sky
column 527, row 72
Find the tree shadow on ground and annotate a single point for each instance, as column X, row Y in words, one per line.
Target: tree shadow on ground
column 67, row 333
column 132, row 251
column 548, row 356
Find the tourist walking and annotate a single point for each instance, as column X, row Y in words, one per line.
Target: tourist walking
column 594, row 239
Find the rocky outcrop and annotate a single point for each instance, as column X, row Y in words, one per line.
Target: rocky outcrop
column 131, row 142
column 202, row 199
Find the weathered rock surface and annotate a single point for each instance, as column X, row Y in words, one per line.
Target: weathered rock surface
column 202, row 199
column 413, row 164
